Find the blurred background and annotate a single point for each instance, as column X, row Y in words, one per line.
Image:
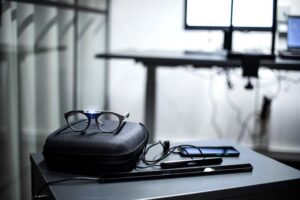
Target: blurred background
column 48, row 67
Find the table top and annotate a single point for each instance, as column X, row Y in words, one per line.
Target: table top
column 268, row 175
column 202, row 59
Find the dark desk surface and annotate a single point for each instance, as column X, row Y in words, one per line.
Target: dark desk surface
column 176, row 58
column 268, row 180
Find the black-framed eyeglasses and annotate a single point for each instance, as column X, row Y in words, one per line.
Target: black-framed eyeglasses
column 107, row 121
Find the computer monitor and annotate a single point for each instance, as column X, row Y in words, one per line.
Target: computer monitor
column 231, row 15
column 293, row 34
column 256, row 15
column 208, row 14
column 221, row 14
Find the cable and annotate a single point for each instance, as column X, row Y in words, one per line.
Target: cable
column 192, row 71
column 250, row 115
column 291, row 80
column 99, row 179
column 231, row 104
column 278, row 90
column 213, row 118
column 148, row 163
column 245, row 125
column 279, row 80
column 165, row 154
column 228, row 79
column 265, row 82
column 153, row 162
column 39, row 196
column 234, row 107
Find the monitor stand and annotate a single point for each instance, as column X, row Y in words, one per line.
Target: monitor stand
column 227, row 45
column 241, row 55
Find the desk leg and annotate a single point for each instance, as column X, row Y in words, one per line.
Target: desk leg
column 150, row 101
column 37, row 181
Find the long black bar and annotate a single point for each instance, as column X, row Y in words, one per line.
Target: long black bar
column 63, row 5
column 75, row 57
column 106, row 104
column 190, row 163
column 274, row 28
column 174, row 173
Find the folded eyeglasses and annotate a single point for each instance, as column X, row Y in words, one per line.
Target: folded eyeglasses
column 106, row 121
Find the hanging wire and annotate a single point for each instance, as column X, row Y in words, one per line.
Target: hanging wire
column 245, row 127
column 234, row 107
column 39, row 196
column 212, row 99
column 279, row 87
column 214, row 113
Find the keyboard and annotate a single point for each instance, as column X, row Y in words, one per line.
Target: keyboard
column 206, row 53
column 289, row 54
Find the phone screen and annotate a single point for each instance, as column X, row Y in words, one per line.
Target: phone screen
column 225, row 151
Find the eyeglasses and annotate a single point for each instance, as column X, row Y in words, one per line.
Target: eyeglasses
column 107, row 122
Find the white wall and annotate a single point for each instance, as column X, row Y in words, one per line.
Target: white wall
column 184, row 107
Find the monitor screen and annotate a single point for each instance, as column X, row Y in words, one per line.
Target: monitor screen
column 293, row 38
column 253, row 14
column 214, row 14
column 217, row 14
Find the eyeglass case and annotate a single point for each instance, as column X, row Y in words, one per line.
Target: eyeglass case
column 93, row 151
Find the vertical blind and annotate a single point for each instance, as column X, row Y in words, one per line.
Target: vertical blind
column 47, row 67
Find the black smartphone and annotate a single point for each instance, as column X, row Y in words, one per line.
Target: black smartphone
column 211, row 151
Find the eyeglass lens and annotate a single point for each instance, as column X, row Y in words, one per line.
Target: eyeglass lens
column 78, row 121
column 108, row 122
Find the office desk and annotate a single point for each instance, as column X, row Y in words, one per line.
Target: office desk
column 153, row 59
column 269, row 180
